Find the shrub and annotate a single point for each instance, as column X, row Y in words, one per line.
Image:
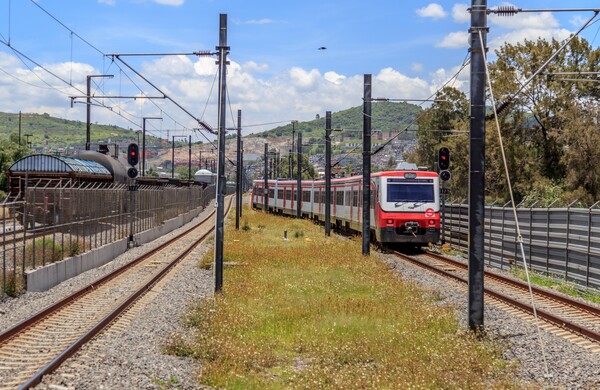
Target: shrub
column 43, row 250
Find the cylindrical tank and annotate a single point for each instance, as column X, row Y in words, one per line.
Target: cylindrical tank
column 204, row 176
column 117, row 167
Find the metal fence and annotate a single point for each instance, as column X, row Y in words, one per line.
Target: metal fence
column 562, row 242
column 51, row 223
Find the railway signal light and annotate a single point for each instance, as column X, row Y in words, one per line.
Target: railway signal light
column 445, row 175
column 132, row 173
column 133, row 154
column 444, row 158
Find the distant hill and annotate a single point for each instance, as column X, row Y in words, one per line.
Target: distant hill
column 58, row 132
column 386, row 117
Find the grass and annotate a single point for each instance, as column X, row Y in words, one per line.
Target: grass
column 557, row 284
column 312, row 312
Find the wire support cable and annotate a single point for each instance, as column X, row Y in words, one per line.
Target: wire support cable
column 504, row 104
column 466, row 62
column 73, row 33
column 200, row 122
column 514, row 208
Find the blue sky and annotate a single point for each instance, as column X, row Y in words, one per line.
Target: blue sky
column 277, row 72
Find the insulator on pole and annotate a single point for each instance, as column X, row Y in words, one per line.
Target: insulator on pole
column 506, row 10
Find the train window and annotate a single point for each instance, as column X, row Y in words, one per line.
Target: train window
column 410, row 192
column 295, row 194
column 288, row 194
column 271, row 193
column 348, row 201
column 306, row 196
column 355, row 198
column 279, row 194
column 331, row 197
column 316, row 197
column 339, row 198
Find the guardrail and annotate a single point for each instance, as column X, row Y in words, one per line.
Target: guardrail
column 563, row 242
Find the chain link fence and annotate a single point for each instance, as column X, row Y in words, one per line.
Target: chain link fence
column 53, row 222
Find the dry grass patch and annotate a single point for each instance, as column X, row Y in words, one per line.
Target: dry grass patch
column 312, row 312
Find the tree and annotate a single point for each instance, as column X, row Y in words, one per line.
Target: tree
column 10, row 151
column 437, row 127
column 547, row 129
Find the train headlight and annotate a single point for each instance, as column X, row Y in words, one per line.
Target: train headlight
column 431, row 222
column 390, row 221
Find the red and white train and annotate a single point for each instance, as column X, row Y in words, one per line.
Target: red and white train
column 405, row 204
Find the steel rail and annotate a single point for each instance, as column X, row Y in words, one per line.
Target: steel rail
column 96, row 329
column 595, row 336
column 548, row 294
column 15, row 329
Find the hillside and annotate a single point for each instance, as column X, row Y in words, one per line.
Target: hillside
column 55, row 132
column 386, row 117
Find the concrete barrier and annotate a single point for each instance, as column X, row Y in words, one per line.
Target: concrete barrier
column 44, row 278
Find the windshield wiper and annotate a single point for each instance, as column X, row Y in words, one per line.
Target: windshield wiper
column 398, row 204
column 416, row 204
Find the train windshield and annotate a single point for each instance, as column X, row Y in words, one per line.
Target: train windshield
column 410, row 193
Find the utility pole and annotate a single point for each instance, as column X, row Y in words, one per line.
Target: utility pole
column 144, row 142
column 266, row 189
column 299, row 179
column 241, row 162
column 19, row 128
column 477, row 165
column 238, row 184
column 190, row 158
column 173, row 158
column 223, row 49
column 88, row 124
column 366, row 179
column 327, row 204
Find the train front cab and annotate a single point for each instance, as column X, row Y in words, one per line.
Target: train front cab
column 407, row 208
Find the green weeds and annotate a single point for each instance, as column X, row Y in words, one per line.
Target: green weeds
column 312, row 312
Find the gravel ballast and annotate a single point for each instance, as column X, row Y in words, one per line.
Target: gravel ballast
column 130, row 354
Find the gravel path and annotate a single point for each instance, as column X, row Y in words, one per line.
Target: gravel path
column 129, row 355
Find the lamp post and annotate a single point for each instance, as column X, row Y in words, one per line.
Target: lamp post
column 173, row 156
column 88, row 124
column 144, row 141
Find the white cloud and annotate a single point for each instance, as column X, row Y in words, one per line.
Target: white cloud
column 433, row 10
column 253, row 67
column 454, row 40
column 260, row 21
column 109, row 2
column 302, row 79
column 578, row 21
column 417, row 67
column 543, row 20
column 460, row 13
column 295, row 93
column 531, row 34
column 175, row 3
column 334, row 78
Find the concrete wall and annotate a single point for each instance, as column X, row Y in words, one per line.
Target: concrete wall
column 44, row 278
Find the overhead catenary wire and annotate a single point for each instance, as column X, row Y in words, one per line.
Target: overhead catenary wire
column 466, row 62
column 504, row 104
column 73, row 33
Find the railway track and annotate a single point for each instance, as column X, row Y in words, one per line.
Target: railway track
column 38, row 345
column 569, row 318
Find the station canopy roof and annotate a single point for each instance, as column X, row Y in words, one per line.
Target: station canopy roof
column 57, row 164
